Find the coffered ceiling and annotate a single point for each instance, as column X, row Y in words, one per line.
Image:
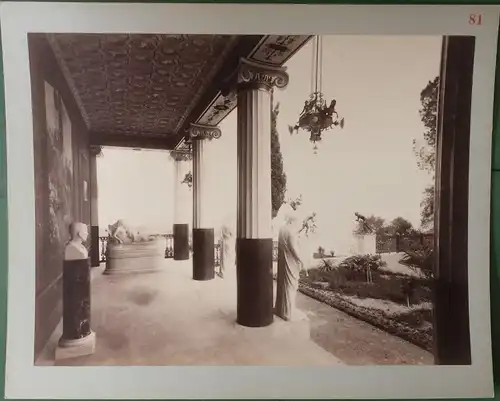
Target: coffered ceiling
column 134, row 89
column 139, row 84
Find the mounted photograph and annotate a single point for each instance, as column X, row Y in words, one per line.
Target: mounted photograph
column 212, row 199
column 335, row 174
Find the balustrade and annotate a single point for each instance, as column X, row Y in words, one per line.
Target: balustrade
column 169, row 251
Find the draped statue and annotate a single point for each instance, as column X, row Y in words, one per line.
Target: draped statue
column 290, row 263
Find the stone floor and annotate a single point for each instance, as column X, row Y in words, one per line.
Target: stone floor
column 167, row 318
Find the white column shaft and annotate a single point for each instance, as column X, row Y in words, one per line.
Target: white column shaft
column 200, row 211
column 94, row 211
column 181, row 193
column 254, row 164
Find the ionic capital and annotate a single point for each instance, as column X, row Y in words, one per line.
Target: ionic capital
column 180, row 155
column 199, row 131
column 261, row 75
column 95, row 150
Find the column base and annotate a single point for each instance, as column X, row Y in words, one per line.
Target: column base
column 203, row 254
column 75, row 348
column 181, row 241
column 254, row 265
column 95, row 257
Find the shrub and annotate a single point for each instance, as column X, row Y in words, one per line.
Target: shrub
column 420, row 260
column 362, row 265
column 320, row 253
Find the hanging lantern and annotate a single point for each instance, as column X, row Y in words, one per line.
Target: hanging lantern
column 188, row 179
column 317, row 115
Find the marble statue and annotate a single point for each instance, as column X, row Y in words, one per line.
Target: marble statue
column 290, row 263
column 75, row 249
column 227, row 252
column 121, row 233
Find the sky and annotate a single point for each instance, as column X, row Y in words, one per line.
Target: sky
column 368, row 167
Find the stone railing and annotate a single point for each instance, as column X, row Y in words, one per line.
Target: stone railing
column 169, row 251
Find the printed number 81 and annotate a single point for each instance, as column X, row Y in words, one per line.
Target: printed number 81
column 475, row 19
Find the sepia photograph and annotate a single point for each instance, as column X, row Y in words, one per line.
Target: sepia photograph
column 268, row 200
column 325, row 175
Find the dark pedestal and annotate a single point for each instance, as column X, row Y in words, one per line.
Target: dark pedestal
column 76, row 299
column 181, row 241
column 254, row 261
column 95, row 257
column 203, row 254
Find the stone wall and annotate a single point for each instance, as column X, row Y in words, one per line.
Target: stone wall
column 61, row 175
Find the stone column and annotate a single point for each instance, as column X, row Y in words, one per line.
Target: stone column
column 254, row 243
column 203, row 232
column 181, row 215
column 95, row 257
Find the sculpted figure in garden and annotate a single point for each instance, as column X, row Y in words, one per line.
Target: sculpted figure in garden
column 75, row 249
column 121, row 233
column 227, row 252
column 290, row 263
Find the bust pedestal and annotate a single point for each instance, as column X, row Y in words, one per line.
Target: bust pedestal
column 77, row 339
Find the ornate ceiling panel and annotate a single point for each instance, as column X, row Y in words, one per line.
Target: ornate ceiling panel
column 139, row 84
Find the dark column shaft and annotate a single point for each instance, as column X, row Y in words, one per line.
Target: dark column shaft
column 203, row 254
column 95, row 257
column 255, row 281
column 451, row 297
column 181, row 241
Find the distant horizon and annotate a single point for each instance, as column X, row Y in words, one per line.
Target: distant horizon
column 369, row 167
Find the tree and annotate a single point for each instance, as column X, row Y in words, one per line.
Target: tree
column 427, row 207
column 426, row 154
column 400, row 226
column 278, row 176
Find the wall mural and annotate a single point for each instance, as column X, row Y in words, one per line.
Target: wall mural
column 60, row 168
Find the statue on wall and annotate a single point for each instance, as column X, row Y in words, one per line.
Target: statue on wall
column 75, row 250
column 290, row 264
column 121, row 233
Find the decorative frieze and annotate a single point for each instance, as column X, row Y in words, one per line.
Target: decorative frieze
column 181, row 155
column 200, row 131
column 95, row 150
column 256, row 74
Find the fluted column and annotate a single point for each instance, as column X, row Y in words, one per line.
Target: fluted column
column 181, row 215
column 254, row 244
column 203, row 232
column 95, row 256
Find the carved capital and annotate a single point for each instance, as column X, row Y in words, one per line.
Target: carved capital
column 251, row 73
column 95, row 150
column 199, row 131
column 181, row 155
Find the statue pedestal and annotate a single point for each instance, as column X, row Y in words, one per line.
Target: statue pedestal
column 77, row 338
column 138, row 257
column 298, row 327
column 75, row 348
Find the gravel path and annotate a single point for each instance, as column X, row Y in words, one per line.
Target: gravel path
column 356, row 342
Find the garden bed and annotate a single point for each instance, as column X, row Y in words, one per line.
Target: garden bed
column 381, row 298
column 394, row 325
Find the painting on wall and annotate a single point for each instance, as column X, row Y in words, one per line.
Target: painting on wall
column 60, row 167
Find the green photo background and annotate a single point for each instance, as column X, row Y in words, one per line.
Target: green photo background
column 495, row 194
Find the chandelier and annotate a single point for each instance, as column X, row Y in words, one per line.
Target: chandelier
column 317, row 115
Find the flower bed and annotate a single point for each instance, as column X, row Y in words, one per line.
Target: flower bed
column 369, row 289
column 395, row 325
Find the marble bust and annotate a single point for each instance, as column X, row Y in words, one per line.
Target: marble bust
column 75, row 249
